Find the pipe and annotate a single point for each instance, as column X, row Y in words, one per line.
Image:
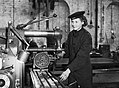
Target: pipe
column 41, row 34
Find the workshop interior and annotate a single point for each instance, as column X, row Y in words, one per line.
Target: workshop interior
column 32, row 33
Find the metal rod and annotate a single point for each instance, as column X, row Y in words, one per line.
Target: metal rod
column 44, row 76
column 96, row 23
column 41, row 34
column 8, row 34
column 52, row 78
column 45, row 19
column 43, row 49
column 40, row 79
column 13, row 12
column 47, row 14
column 34, row 79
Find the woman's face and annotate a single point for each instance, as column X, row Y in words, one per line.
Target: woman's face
column 76, row 24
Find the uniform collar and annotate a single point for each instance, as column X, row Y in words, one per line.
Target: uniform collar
column 76, row 33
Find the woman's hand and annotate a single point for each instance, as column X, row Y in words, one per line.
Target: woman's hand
column 65, row 75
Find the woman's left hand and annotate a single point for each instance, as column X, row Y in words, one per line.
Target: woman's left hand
column 65, row 75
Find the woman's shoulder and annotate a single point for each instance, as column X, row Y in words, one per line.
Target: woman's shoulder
column 87, row 32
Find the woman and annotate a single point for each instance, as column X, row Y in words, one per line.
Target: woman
column 77, row 48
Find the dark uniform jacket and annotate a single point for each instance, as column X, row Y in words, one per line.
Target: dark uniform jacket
column 77, row 48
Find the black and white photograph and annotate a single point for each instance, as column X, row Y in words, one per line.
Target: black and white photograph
column 59, row 43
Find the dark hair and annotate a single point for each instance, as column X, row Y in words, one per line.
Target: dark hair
column 84, row 19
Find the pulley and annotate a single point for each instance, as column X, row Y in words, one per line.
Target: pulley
column 41, row 60
column 6, row 80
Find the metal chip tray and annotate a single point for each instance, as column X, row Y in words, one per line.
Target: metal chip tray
column 45, row 79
